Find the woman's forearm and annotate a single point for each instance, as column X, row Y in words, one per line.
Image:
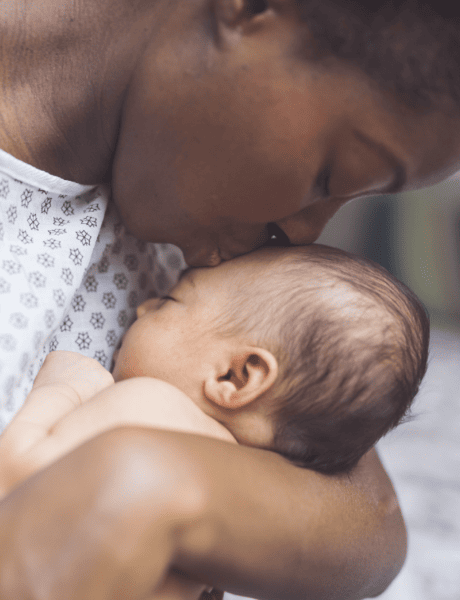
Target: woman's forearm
column 271, row 530
column 128, row 505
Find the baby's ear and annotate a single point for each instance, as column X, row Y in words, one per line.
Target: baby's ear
column 244, row 377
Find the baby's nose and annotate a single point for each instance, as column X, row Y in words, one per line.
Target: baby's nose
column 149, row 304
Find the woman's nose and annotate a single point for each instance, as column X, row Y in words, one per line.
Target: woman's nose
column 306, row 226
column 149, row 304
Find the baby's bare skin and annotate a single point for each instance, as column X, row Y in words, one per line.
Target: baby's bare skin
column 74, row 399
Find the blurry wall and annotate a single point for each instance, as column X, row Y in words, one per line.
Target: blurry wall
column 416, row 236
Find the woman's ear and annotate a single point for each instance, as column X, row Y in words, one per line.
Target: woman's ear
column 248, row 374
column 234, row 12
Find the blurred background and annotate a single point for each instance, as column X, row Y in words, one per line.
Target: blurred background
column 416, row 236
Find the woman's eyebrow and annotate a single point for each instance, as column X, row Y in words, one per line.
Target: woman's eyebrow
column 399, row 170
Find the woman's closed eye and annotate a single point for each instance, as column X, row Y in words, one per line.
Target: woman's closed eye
column 322, row 183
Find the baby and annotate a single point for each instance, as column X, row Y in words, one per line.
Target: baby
column 309, row 352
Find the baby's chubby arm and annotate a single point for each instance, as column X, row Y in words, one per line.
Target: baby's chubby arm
column 141, row 401
column 65, row 381
column 74, row 399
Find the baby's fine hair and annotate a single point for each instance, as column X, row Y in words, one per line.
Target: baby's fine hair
column 409, row 48
column 352, row 345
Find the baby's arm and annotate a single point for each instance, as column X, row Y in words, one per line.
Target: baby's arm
column 141, row 401
column 65, row 381
column 74, row 398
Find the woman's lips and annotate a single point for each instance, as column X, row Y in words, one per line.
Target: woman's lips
column 227, row 248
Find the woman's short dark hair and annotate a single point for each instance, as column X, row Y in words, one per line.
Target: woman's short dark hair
column 409, row 48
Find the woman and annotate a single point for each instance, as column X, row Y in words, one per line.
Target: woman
column 217, row 126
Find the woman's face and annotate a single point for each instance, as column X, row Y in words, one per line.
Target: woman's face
column 219, row 139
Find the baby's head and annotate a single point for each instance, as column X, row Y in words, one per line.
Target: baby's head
column 310, row 352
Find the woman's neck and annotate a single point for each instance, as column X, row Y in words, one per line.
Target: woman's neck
column 64, row 70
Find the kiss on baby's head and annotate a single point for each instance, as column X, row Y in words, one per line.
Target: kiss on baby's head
column 349, row 342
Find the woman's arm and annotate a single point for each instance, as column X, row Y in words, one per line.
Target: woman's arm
column 283, row 532
column 59, row 414
column 129, row 504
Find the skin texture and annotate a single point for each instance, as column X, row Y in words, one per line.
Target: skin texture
column 174, row 339
column 207, row 120
column 250, row 105
column 74, row 399
column 188, row 531
column 209, row 124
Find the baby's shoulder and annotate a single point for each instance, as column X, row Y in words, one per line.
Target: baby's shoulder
column 156, row 403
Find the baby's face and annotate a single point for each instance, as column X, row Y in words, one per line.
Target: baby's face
column 173, row 339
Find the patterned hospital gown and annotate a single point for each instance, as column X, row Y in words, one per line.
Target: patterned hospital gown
column 71, row 277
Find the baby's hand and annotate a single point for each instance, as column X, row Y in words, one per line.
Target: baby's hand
column 83, row 375
column 65, row 381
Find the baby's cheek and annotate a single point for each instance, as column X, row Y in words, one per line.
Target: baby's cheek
column 120, row 369
column 131, row 362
